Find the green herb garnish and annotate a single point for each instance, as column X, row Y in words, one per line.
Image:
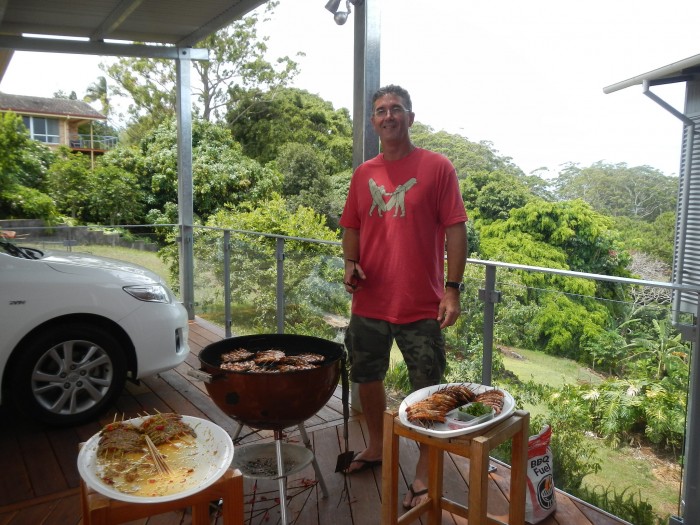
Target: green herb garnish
column 476, row 409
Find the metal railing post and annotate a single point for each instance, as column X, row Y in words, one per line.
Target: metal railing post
column 227, row 282
column 690, row 482
column 279, row 254
column 490, row 297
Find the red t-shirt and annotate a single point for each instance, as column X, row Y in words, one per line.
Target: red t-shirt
column 401, row 209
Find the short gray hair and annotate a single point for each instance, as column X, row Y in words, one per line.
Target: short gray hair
column 391, row 89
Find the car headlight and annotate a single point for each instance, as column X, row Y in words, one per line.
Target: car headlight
column 152, row 293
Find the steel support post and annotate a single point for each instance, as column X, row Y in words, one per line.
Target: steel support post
column 184, row 180
column 279, row 253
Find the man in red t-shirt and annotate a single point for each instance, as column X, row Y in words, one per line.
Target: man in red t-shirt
column 403, row 212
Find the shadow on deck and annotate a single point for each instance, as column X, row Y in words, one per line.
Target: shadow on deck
column 40, row 480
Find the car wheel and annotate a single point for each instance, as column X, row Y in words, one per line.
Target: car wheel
column 68, row 375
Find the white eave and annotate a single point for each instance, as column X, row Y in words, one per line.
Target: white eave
column 671, row 73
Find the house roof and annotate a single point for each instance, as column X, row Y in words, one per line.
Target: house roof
column 110, row 27
column 675, row 72
column 49, row 106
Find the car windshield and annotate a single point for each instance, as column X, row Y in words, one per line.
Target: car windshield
column 22, row 252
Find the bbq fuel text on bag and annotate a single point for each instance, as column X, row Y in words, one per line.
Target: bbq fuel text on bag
column 540, row 500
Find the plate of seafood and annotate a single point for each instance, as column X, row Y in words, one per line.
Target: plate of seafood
column 156, row 458
column 455, row 409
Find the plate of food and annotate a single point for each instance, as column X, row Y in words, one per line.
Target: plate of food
column 455, row 409
column 154, row 459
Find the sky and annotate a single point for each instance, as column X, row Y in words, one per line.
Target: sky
column 525, row 76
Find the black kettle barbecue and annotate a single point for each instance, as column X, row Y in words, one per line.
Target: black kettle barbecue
column 272, row 401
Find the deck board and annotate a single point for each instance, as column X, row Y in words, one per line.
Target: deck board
column 40, row 480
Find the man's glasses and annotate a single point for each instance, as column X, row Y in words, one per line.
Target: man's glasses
column 393, row 110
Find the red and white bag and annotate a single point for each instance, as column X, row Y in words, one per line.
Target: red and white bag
column 540, row 500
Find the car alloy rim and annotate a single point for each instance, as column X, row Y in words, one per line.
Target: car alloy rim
column 72, row 377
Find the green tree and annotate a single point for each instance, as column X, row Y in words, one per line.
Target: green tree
column 263, row 121
column 639, row 192
column 98, row 92
column 566, row 235
column 236, row 60
column 115, row 196
column 655, row 238
column 584, row 237
column 498, row 197
column 469, row 158
column 62, row 94
column 68, row 182
column 21, row 202
column 659, row 354
column 222, row 175
column 22, row 160
column 305, row 181
column 23, row 167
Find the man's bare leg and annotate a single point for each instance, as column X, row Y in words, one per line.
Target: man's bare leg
column 416, row 494
column 373, row 400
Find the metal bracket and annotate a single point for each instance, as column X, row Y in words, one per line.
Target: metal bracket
column 493, row 296
column 675, row 520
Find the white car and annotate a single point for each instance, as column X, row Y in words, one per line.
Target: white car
column 74, row 327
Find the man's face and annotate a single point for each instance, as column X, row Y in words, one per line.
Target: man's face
column 391, row 119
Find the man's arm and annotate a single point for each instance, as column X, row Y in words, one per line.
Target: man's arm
column 456, row 240
column 351, row 254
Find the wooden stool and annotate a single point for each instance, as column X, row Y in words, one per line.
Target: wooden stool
column 101, row 510
column 476, row 447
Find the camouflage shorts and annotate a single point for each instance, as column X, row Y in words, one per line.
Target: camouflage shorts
column 422, row 344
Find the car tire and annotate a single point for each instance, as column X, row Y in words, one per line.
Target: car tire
column 68, row 374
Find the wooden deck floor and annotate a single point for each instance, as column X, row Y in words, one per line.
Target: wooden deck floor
column 39, row 479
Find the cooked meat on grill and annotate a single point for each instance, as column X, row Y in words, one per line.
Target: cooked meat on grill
column 272, row 361
column 310, row 357
column 241, row 354
column 293, row 363
column 239, row 366
column 269, row 356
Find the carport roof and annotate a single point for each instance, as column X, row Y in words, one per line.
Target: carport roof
column 675, row 72
column 94, row 25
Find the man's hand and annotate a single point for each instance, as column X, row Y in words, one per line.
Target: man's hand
column 449, row 308
column 353, row 275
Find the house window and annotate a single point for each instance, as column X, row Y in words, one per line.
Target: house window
column 42, row 129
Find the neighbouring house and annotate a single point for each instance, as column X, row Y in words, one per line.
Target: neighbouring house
column 59, row 121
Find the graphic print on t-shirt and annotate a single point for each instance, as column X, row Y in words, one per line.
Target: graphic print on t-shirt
column 396, row 197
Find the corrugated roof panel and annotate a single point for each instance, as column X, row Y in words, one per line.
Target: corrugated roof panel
column 686, row 257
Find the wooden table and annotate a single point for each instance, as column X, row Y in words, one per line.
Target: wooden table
column 101, row 510
column 475, row 446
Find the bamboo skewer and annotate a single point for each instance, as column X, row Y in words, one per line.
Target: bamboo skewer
column 161, row 465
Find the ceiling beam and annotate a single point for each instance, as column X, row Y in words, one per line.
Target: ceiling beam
column 237, row 11
column 84, row 47
column 115, row 19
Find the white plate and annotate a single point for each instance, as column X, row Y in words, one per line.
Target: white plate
column 441, row 429
column 214, row 452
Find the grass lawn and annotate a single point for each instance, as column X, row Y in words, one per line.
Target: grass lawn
column 553, row 371
column 633, row 468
